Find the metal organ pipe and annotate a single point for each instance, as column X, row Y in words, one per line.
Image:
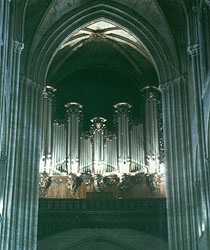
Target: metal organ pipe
column 110, row 153
column 152, row 132
column 99, row 151
column 73, row 110
column 86, row 160
column 137, row 148
column 46, row 152
column 98, row 127
column 122, row 111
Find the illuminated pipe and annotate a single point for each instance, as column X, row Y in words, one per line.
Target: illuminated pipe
column 152, row 132
column 98, row 128
column 46, row 152
column 122, row 112
column 73, row 109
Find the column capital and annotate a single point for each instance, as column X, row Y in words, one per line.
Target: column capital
column 176, row 81
column 193, row 49
column 18, row 46
column 48, row 92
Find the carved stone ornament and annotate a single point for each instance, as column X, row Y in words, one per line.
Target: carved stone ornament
column 44, row 184
column 98, row 183
column 73, row 183
column 125, row 182
column 153, row 182
column 57, row 180
column 18, row 46
column 48, row 92
column 111, row 180
column 87, row 178
column 97, row 34
column 193, row 49
column 98, row 123
column 150, row 92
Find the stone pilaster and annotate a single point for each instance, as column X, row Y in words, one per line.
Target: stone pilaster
column 180, row 201
column 20, row 211
column 202, row 169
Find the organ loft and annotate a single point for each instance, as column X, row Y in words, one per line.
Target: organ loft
column 129, row 157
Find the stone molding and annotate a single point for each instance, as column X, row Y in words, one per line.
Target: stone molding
column 177, row 81
column 31, row 83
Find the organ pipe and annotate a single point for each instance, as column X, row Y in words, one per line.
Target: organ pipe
column 86, row 158
column 73, row 111
column 151, row 126
column 122, row 112
column 98, row 128
column 59, row 147
column 46, row 152
column 134, row 148
column 110, row 153
column 137, row 148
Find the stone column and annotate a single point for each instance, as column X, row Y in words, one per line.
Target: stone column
column 179, row 168
column 73, row 109
column 122, row 118
column 203, row 170
column 151, row 129
column 20, row 204
column 98, row 128
column 46, row 155
column 6, row 46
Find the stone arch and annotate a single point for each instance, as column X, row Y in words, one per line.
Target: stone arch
column 124, row 239
column 165, row 61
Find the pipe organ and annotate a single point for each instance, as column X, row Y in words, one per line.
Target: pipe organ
column 133, row 148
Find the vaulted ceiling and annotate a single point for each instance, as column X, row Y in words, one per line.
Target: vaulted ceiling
column 120, row 40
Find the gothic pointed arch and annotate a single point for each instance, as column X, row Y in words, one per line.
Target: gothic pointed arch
column 41, row 54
